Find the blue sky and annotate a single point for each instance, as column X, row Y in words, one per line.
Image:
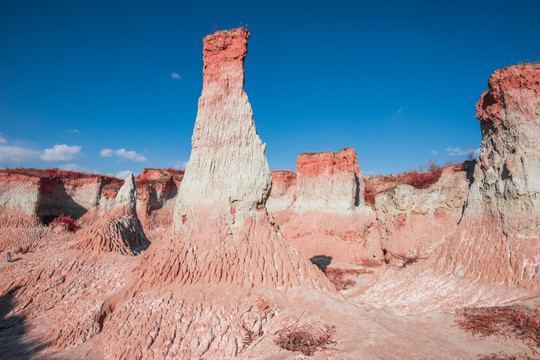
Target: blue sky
column 110, row 86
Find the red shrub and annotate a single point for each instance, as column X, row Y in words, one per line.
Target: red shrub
column 503, row 356
column 514, row 321
column 370, row 262
column 305, row 338
column 338, row 276
column 175, row 171
column 422, row 180
column 406, row 259
column 51, row 173
column 71, row 226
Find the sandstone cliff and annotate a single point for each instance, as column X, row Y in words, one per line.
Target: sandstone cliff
column 498, row 239
column 320, row 210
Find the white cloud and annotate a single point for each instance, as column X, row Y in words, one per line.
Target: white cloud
column 434, row 152
column 74, row 131
column 72, row 167
column 123, row 153
column 180, row 165
column 106, row 152
column 17, row 154
column 61, row 153
column 175, row 76
column 367, row 173
column 123, row 174
column 400, row 110
column 456, row 151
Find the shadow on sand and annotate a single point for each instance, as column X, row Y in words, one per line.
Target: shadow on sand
column 13, row 330
column 322, row 261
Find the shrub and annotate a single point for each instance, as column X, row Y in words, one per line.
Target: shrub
column 503, row 356
column 70, row 224
column 406, row 259
column 505, row 321
column 423, row 177
column 175, row 171
column 304, row 338
column 338, row 277
column 422, row 180
column 250, row 335
column 51, row 173
column 370, row 262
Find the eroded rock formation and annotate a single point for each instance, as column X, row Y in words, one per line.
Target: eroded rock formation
column 118, row 230
column 321, row 210
column 157, row 192
column 222, row 241
column 328, row 182
column 414, row 222
column 220, row 280
column 498, row 239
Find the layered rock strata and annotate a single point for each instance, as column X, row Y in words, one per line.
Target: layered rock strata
column 157, row 191
column 328, row 182
column 19, row 200
column 321, row 210
column 498, row 239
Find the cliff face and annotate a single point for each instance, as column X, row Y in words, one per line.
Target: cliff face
column 499, row 236
column 283, row 194
column 321, row 210
column 157, row 192
column 329, row 182
column 507, row 178
column 19, row 200
column 414, row 222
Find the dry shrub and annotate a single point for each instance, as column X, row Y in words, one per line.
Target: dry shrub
column 305, row 338
column 338, row 276
column 503, row 356
column 425, row 176
column 67, row 222
column 422, row 180
column 406, row 259
column 250, row 335
column 175, row 171
column 22, row 250
column 505, row 321
column 370, row 262
column 50, row 173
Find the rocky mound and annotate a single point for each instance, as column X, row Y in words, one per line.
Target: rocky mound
column 119, row 230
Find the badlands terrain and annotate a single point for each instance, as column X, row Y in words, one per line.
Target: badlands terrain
column 229, row 260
